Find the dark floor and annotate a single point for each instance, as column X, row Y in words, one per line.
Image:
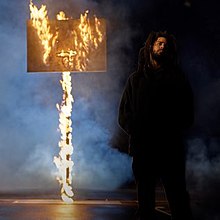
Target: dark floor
column 88, row 205
column 93, row 205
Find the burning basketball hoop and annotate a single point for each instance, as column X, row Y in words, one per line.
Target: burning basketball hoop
column 65, row 45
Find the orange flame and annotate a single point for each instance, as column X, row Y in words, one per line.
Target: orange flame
column 88, row 40
column 62, row 16
column 41, row 24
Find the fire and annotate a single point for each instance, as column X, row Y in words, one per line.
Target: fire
column 62, row 16
column 41, row 24
column 89, row 37
column 85, row 38
column 63, row 161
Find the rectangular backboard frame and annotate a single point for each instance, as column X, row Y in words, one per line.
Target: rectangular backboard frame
column 69, row 50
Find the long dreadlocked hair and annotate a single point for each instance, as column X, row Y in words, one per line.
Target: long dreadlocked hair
column 144, row 54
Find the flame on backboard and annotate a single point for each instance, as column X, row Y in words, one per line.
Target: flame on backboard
column 41, row 23
column 65, row 44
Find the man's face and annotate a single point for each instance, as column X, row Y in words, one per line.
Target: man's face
column 159, row 48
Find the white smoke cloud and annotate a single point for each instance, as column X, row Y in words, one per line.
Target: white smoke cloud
column 29, row 118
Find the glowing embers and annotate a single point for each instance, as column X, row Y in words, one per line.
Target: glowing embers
column 65, row 44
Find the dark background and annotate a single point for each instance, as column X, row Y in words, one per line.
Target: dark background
column 29, row 119
column 195, row 26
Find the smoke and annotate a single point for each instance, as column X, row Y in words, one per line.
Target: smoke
column 203, row 146
column 203, row 163
column 203, row 168
column 29, row 119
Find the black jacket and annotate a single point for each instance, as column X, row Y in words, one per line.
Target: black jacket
column 155, row 104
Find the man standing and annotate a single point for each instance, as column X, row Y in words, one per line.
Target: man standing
column 156, row 109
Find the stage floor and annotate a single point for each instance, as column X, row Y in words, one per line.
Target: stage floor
column 88, row 205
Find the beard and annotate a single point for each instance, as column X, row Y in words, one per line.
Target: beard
column 160, row 56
